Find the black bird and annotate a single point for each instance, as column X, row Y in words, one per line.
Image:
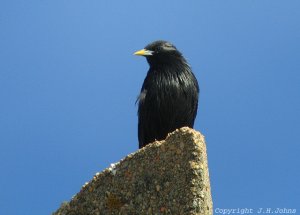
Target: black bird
column 169, row 95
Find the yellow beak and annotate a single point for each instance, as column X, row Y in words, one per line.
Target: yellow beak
column 143, row 52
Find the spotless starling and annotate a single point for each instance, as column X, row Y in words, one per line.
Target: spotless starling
column 169, row 95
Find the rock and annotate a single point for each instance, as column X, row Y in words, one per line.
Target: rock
column 165, row 177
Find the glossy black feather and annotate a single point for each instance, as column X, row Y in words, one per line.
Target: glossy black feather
column 169, row 95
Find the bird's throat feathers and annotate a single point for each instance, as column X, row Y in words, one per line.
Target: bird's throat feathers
column 175, row 65
column 165, row 77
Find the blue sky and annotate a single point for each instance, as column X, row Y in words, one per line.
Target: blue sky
column 69, row 81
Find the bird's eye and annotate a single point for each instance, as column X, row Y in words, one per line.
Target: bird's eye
column 158, row 49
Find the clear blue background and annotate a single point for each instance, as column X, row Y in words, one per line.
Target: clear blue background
column 69, row 81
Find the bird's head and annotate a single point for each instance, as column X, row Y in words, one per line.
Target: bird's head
column 160, row 52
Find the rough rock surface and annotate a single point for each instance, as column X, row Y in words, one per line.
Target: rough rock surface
column 165, row 177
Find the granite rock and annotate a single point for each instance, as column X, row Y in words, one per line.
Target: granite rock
column 165, row 177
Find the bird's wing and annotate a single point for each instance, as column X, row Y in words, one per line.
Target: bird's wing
column 141, row 97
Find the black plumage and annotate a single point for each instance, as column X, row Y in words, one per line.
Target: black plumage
column 169, row 95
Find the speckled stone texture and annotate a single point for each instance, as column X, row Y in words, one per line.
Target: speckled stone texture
column 165, row 177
